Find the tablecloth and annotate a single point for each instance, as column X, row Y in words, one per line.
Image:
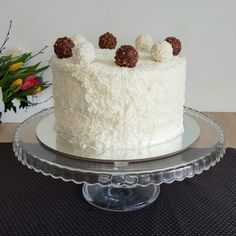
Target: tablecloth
column 33, row 204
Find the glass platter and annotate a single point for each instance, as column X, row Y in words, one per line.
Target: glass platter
column 121, row 186
column 48, row 137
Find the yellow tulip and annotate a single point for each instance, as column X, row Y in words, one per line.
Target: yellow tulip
column 37, row 90
column 16, row 85
column 15, row 66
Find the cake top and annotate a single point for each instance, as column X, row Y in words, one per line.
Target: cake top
column 104, row 61
column 144, row 56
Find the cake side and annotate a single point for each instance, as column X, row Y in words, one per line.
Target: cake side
column 104, row 106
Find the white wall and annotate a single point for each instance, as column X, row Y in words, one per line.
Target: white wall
column 207, row 29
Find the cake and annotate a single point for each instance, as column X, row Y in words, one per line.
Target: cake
column 125, row 98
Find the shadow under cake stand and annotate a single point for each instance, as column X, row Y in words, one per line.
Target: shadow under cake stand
column 119, row 185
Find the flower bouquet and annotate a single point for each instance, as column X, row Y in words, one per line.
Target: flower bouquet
column 18, row 79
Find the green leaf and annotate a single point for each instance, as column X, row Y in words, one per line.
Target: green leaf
column 27, row 92
column 7, row 81
column 5, row 66
column 23, row 75
column 24, row 102
column 5, row 58
column 8, row 106
column 23, row 57
column 45, row 86
column 14, row 108
column 8, row 94
column 29, row 68
column 41, row 69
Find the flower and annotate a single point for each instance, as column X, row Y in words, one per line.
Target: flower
column 16, row 85
column 37, row 90
column 31, row 77
column 13, row 52
column 29, row 82
column 15, row 66
column 18, row 78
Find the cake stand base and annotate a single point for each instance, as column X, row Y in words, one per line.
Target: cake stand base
column 120, row 199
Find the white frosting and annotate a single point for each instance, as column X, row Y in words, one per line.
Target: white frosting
column 84, row 53
column 104, row 106
column 77, row 39
column 144, row 43
column 162, row 51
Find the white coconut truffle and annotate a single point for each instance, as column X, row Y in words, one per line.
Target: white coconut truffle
column 77, row 39
column 144, row 42
column 162, row 51
column 84, row 53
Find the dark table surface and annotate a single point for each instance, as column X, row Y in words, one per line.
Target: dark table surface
column 32, row 204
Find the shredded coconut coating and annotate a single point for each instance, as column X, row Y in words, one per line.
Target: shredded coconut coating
column 104, row 106
column 162, row 51
column 84, row 53
column 77, row 39
column 144, row 43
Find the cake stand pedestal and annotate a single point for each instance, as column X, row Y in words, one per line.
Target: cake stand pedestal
column 120, row 199
column 121, row 186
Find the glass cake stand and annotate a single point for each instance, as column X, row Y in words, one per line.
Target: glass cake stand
column 121, row 185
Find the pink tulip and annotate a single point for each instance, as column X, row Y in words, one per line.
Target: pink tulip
column 29, row 82
column 31, row 77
